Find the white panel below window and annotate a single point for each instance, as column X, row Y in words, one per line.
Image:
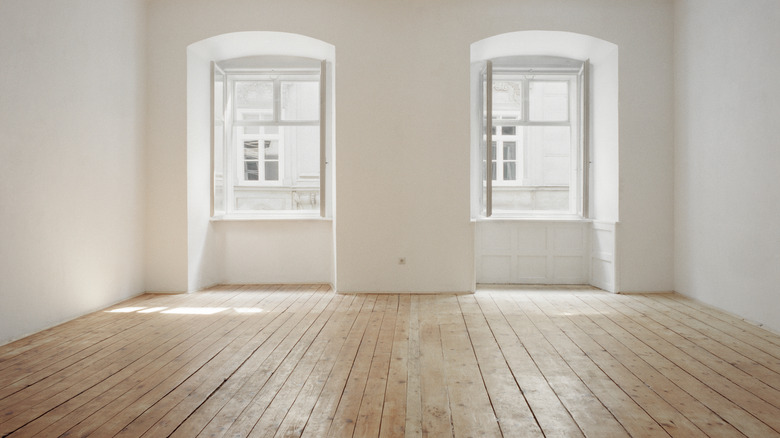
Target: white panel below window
column 538, row 251
column 498, row 268
column 531, row 269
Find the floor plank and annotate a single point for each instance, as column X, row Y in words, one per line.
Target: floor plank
column 299, row 360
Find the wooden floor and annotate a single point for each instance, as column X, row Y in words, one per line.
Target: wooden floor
column 301, row 360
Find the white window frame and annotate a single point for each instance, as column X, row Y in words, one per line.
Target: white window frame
column 527, row 69
column 233, row 171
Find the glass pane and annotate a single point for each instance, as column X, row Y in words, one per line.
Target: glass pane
column 550, row 152
column 271, row 170
column 555, row 140
column 541, row 169
column 507, row 130
column 271, row 148
column 507, row 99
column 250, row 171
column 250, row 150
column 304, row 142
column 494, row 170
column 254, row 100
column 510, row 149
column 549, row 101
column 555, row 171
column 250, row 116
column 301, row 100
column 509, row 171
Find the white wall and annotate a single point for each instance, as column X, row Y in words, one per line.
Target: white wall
column 402, row 128
column 645, row 232
column 727, row 161
column 275, row 251
column 71, row 159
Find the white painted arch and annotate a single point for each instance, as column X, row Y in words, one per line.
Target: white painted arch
column 261, row 43
column 257, row 251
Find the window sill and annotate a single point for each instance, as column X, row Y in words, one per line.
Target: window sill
column 279, row 217
column 571, row 219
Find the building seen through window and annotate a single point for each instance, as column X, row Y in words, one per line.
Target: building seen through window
column 267, row 136
column 532, row 120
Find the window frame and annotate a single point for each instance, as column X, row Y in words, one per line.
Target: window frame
column 233, row 171
column 540, row 69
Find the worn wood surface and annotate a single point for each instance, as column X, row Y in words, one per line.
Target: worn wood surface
column 299, row 360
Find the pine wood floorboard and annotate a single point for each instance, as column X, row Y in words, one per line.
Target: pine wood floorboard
column 299, row 360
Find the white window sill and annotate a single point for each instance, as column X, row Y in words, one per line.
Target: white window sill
column 275, row 217
column 572, row 219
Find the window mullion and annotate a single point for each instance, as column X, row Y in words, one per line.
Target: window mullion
column 525, row 122
column 489, row 139
column 323, row 139
column 584, row 128
column 230, row 146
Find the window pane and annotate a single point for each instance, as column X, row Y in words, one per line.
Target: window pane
column 494, row 170
column 556, row 171
column 271, row 170
column 250, row 171
column 555, row 140
column 550, row 148
column 301, row 100
column 549, row 101
column 271, row 150
column 250, row 150
column 510, row 150
column 507, row 99
column 254, row 100
column 304, row 142
column 543, row 181
column 246, row 115
column 508, row 130
column 509, row 171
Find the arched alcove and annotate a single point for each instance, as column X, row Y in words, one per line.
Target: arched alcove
column 590, row 257
column 280, row 250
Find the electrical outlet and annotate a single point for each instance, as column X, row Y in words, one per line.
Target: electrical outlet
column 402, row 260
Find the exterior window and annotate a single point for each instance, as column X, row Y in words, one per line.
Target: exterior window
column 532, row 118
column 271, row 161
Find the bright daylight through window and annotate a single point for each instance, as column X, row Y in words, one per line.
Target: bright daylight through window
column 268, row 137
column 533, row 120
